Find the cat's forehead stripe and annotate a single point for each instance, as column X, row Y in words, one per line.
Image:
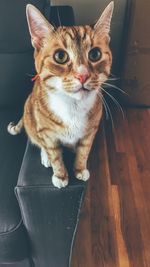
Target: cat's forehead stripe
column 77, row 34
column 66, row 32
column 75, row 31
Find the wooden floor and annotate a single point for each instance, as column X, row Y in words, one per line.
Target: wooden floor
column 114, row 230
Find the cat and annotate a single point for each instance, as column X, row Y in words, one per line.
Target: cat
column 64, row 107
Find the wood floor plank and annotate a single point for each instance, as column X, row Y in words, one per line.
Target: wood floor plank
column 114, row 230
column 130, row 230
column 141, row 207
column 103, row 243
column 122, row 250
column 111, row 152
column 145, row 183
column 121, row 134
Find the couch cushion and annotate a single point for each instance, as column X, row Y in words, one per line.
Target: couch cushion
column 15, row 82
column 13, row 239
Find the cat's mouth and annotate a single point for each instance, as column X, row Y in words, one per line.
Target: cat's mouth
column 83, row 89
column 80, row 93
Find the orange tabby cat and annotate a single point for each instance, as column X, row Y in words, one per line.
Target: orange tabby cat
column 64, row 106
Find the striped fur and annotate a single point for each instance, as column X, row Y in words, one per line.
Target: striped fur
column 60, row 109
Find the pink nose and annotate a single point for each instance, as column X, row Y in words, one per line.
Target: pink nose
column 82, row 77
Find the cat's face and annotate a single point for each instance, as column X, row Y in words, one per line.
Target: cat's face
column 74, row 61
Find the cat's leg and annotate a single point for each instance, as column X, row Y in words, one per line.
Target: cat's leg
column 60, row 176
column 44, row 159
column 82, row 153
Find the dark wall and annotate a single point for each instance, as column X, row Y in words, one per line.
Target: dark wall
column 136, row 74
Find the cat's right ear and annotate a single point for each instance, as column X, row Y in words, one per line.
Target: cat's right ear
column 39, row 27
column 103, row 24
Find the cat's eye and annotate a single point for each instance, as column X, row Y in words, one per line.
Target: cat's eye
column 61, row 56
column 95, row 54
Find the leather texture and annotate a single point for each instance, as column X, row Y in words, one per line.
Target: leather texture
column 50, row 216
column 13, row 238
column 15, row 83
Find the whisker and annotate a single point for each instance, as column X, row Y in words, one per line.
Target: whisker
column 111, row 117
column 113, row 79
column 108, row 112
column 115, row 87
column 30, row 75
column 113, row 75
column 103, row 102
column 115, row 101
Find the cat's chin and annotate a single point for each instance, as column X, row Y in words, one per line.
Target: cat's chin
column 79, row 95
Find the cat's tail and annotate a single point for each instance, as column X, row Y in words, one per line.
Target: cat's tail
column 15, row 129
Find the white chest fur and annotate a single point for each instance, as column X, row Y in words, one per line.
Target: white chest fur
column 73, row 113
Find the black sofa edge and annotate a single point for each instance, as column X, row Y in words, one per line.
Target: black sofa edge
column 57, row 228
column 15, row 238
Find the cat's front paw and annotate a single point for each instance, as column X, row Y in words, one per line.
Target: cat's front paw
column 58, row 182
column 44, row 159
column 83, row 175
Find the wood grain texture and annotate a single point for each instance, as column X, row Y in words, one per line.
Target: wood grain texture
column 114, row 229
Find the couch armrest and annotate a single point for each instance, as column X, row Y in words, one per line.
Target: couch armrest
column 50, row 215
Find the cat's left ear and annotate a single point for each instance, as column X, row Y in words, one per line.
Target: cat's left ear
column 39, row 27
column 102, row 26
